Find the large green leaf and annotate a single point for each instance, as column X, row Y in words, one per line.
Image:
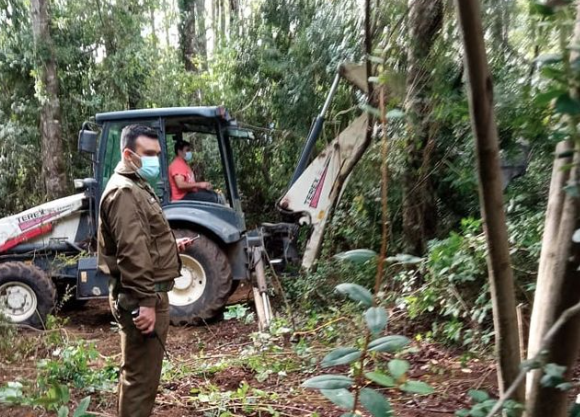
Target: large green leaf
column 375, row 403
column 328, row 382
column 357, row 255
column 376, row 318
column 398, row 368
column 62, row 411
column 417, row 387
column 356, row 293
column 341, row 397
column 395, row 114
column 11, row 393
column 567, row 105
column 389, row 344
column 341, row 356
column 405, row 259
column 544, row 99
column 478, row 396
column 381, row 379
column 82, row 408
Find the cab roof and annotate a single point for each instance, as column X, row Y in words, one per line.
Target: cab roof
column 205, row 112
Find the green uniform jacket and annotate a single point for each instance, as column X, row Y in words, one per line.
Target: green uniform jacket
column 135, row 243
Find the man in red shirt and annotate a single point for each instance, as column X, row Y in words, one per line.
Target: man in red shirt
column 182, row 179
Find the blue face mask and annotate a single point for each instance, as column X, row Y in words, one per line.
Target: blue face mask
column 149, row 167
column 188, row 156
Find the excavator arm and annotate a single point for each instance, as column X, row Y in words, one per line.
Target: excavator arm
column 316, row 188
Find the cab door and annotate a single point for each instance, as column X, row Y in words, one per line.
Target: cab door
column 110, row 154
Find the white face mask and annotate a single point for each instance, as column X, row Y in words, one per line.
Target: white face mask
column 188, row 156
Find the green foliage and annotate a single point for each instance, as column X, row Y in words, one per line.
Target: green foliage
column 376, row 318
column 389, row 344
column 482, row 405
column 239, row 312
column 72, row 365
column 341, row 356
column 451, row 283
column 356, row 293
column 553, row 375
column 55, row 398
column 341, row 390
column 375, row 403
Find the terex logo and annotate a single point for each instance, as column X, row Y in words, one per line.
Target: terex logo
column 313, row 196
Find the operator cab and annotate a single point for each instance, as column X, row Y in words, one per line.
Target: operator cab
column 206, row 129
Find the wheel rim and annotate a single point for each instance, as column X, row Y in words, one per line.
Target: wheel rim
column 190, row 285
column 18, row 301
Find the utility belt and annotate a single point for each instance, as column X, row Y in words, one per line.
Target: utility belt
column 128, row 302
column 165, row 286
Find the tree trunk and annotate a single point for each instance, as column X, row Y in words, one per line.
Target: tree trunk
column 153, row 28
column 167, row 21
column 215, row 22
column 200, row 33
column 419, row 209
column 559, row 276
column 490, row 193
column 187, row 34
column 234, row 18
column 53, row 169
column 222, row 6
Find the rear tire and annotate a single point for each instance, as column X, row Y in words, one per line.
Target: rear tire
column 205, row 284
column 27, row 295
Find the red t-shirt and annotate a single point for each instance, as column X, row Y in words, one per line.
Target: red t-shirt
column 179, row 167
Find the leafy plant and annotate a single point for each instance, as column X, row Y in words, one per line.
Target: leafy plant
column 73, row 366
column 55, row 398
column 482, row 405
column 239, row 312
column 345, row 391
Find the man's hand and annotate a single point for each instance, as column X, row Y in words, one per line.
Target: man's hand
column 146, row 320
column 205, row 185
column 184, row 242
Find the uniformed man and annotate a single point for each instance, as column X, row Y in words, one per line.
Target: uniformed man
column 138, row 250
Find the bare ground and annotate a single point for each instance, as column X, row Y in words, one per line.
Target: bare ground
column 210, row 368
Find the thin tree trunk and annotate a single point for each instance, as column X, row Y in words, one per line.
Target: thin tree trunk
column 215, row 22
column 187, row 35
column 200, row 33
column 167, row 18
column 419, row 208
column 223, row 18
column 559, row 275
column 53, row 169
column 490, row 191
column 234, row 18
column 153, row 28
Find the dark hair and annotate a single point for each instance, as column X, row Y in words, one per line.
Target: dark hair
column 130, row 133
column 181, row 145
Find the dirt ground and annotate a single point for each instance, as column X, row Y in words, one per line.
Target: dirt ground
column 210, row 359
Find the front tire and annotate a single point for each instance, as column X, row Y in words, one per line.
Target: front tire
column 202, row 290
column 27, row 295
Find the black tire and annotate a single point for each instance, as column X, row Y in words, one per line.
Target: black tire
column 19, row 276
column 218, row 281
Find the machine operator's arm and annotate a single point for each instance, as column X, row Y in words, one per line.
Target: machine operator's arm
column 190, row 186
